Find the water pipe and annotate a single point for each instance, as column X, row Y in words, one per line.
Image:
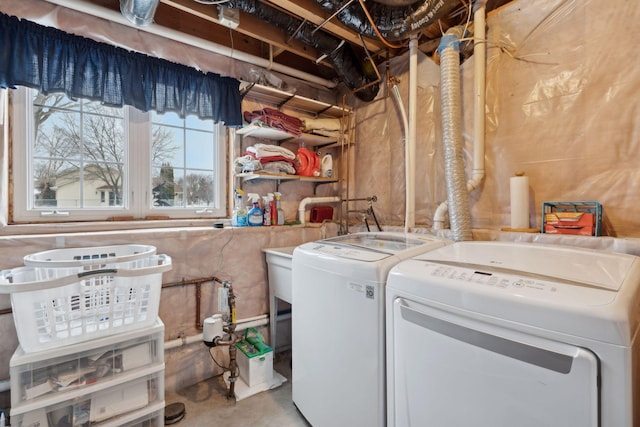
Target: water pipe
column 480, row 70
column 409, row 126
column 314, row 200
column 407, row 150
column 241, row 325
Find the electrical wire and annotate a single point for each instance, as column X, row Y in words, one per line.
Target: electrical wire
column 375, row 28
column 216, row 362
column 466, row 25
column 211, row 1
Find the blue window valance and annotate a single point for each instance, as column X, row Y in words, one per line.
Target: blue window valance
column 51, row 60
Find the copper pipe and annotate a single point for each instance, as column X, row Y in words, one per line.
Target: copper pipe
column 6, row 311
column 196, row 282
column 191, row 282
column 198, row 303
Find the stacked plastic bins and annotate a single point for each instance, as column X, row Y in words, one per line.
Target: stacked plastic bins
column 91, row 343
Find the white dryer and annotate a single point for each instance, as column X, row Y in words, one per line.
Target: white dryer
column 490, row 334
column 338, row 376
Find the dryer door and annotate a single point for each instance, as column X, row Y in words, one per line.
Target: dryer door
column 450, row 370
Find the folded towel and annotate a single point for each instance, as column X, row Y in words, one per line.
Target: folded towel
column 279, row 167
column 268, row 150
column 310, row 125
column 275, row 119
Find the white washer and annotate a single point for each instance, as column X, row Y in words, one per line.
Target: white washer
column 502, row 334
column 338, row 323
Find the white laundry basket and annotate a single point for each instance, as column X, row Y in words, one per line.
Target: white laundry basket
column 59, row 300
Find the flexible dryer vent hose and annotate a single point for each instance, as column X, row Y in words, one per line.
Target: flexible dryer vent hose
column 457, row 195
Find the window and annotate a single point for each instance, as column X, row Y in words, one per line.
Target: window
column 85, row 161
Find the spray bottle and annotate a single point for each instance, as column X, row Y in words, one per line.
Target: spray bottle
column 255, row 214
column 279, row 210
column 266, row 218
column 239, row 214
column 273, row 208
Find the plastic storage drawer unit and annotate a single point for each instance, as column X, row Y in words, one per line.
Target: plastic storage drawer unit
column 101, row 406
column 37, row 376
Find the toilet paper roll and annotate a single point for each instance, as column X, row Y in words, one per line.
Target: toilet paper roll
column 519, row 186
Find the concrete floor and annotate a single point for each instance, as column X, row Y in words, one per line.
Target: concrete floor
column 206, row 403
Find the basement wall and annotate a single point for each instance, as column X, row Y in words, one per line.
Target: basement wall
column 562, row 106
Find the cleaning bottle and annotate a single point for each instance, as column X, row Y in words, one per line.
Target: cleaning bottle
column 279, row 210
column 239, row 214
column 326, row 166
column 266, row 217
column 273, row 209
column 255, row 214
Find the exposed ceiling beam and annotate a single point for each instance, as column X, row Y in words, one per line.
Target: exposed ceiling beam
column 249, row 26
column 312, row 12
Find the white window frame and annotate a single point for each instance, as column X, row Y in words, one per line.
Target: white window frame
column 137, row 197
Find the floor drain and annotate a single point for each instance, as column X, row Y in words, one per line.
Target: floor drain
column 173, row 413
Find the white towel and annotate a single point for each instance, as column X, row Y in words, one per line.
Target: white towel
column 269, row 150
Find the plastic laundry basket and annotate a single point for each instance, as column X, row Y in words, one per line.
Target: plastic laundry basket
column 74, row 303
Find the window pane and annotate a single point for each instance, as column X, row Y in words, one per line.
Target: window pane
column 56, row 133
column 54, row 100
column 60, row 186
column 183, row 161
column 169, row 119
column 199, row 150
column 198, row 189
column 103, row 136
column 167, row 146
column 163, row 186
column 78, row 155
column 102, row 178
column 194, row 122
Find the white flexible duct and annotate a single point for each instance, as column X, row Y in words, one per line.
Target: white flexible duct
column 313, row 200
column 112, row 15
column 457, row 195
column 410, row 214
column 479, row 51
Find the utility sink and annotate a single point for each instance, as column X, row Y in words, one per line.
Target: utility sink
column 279, row 261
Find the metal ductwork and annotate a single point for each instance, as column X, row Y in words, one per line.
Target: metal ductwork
column 139, row 12
column 355, row 73
column 394, row 19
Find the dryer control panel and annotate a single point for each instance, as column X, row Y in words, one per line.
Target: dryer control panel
column 517, row 284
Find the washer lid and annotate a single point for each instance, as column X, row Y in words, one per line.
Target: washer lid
column 605, row 270
column 389, row 243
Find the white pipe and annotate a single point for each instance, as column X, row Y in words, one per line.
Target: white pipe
column 480, row 69
column 410, row 213
column 407, row 151
column 112, row 15
column 313, row 200
column 5, row 385
column 241, row 325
